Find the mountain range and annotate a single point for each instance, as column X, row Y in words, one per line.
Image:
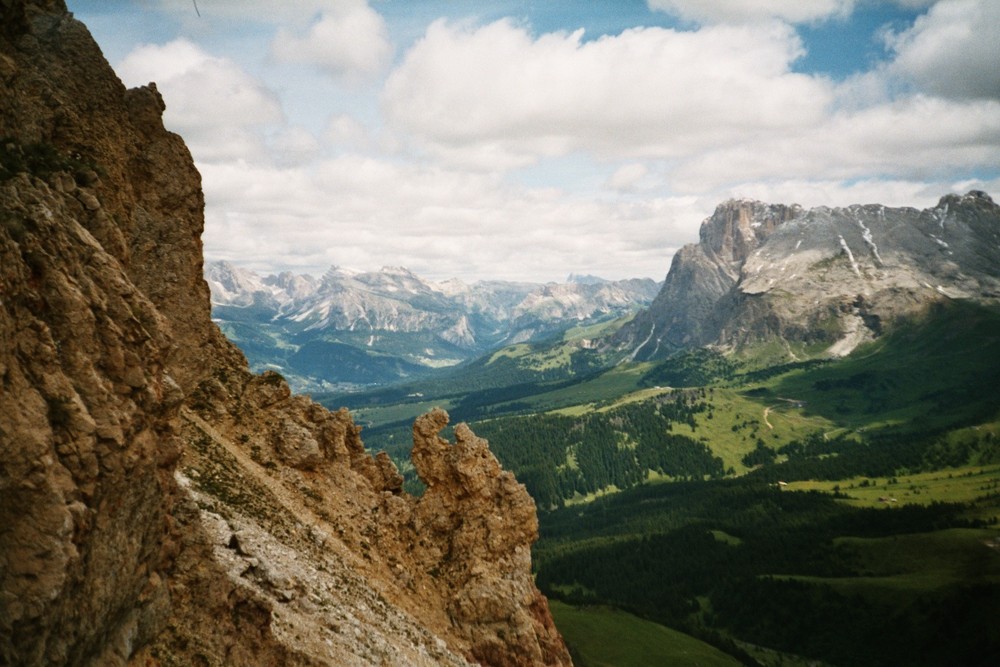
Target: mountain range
column 777, row 280
column 360, row 327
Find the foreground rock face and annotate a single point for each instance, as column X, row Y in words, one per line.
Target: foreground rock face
column 478, row 522
column 821, row 279
column 160, row 505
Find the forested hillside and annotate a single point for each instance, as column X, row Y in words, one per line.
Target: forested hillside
column 834, row 510
column 559, row 457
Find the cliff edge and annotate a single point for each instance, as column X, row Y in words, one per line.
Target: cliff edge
column 159, row 504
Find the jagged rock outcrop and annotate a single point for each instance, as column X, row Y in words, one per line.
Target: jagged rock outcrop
column 478, row 524
column 821, row 279
column 160, row 505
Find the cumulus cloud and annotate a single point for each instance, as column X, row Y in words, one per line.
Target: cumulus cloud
column 364, row 212
column 953, row 50
column 345, row 131
column 349, row 41
column 293, row 145
column 497, row 95
column 820, row 192
column 752, row 11
column 211, row 101
column 913, row 138
column 719, row 106
column 645, row 131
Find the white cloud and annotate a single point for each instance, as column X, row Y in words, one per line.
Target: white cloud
column 211, row 101
column 953, row 50
column 913, row 138
column 628, row 177
column 293, row 145
column 496, row 95
column 889, row 192
column 346, row 131
column 349, row 41
column 752, row 11
column 364, row 213
column 644, row 132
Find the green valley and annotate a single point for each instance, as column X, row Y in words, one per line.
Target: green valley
column 840, row 511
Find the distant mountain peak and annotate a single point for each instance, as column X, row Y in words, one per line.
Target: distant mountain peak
column 835, row 276
column 739, row 225
column 586, row 279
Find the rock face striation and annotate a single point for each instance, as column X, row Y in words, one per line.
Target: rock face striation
column 820, row 279
column 161, row 505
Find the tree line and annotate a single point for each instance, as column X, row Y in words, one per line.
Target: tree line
column 560, row 456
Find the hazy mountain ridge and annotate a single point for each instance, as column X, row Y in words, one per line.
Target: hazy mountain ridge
column 824, row 279
column 395, row 312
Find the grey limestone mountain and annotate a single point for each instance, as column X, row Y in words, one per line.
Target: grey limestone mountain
column 364, row 327
column 160, row 504
column 819, row 281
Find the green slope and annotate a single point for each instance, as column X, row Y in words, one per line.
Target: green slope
column 934, row 373
column 606, row 637
column 878, row 547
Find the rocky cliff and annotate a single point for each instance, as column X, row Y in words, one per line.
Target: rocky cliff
column 820, row 281
column 160, row 505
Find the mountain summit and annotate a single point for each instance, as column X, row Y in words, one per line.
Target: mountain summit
column 820, row 280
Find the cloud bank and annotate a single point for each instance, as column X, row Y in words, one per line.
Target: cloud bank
column 493, row 150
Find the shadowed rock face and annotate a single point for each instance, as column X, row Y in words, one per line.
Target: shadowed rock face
column 160, row 505
column 823, row 277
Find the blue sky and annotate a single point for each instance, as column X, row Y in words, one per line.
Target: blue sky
column 529, row 140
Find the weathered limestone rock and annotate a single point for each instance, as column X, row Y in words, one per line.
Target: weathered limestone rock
column 159, row 505
column 481, row 524
column 831, row 277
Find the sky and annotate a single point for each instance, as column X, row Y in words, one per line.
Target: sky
column 518, row 140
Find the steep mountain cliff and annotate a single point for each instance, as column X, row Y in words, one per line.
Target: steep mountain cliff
column 160, row 505
column 822, row 280
column 370, row 327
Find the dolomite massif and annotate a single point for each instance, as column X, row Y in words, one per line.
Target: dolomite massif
column 161, row 505
column 821, row 280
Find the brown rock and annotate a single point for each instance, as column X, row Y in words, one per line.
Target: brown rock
column 482, row 524
column 158, row 503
